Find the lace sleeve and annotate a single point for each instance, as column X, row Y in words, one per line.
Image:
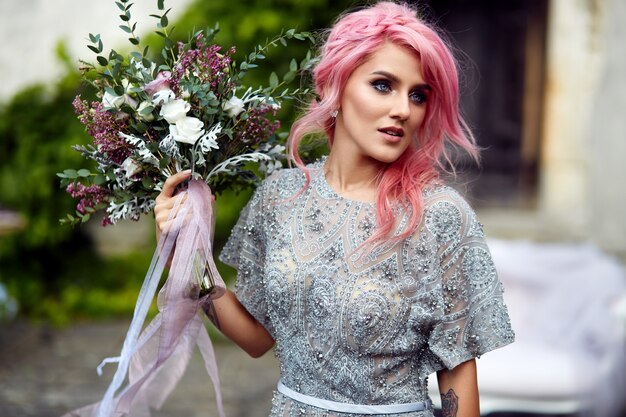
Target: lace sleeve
column 474, row 319
column 245, row 251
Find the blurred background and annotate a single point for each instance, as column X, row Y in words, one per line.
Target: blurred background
column 544, row 90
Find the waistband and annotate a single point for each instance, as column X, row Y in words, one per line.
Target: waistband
column 353, row 408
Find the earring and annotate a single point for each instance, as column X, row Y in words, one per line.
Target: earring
column 334, row 113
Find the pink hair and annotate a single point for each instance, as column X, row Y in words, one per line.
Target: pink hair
column 352, row 40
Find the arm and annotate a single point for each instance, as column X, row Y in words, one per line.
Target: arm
column 226, row 312
column 234, row 321
column 459, row 390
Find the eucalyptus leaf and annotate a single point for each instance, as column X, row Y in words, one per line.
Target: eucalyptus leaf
column 99, row 179
column 71, row 173
column 273, row 80
column 83, row 173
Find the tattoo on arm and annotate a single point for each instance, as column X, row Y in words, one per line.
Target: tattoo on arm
column 449, row 404
column 209, row 310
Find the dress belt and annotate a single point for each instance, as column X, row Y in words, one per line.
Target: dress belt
column 353, row 408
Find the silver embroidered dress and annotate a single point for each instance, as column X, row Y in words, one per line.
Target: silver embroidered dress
column 355, row 328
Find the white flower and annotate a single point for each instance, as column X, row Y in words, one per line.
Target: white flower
column 143, row 112
column 187, row 130
column 233, row 106
column 112, row 101
column 130, row 167
column 185, row 94
column 174, row 110
column 162, row 97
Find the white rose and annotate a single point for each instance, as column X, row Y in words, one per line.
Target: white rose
column 174, row 110
column 112, row 101
column 130, row 167
column 233, row 106
column 143, row 113
column 162, row 96
column 187, row 130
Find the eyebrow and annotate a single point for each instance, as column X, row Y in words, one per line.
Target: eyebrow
column 395, row 79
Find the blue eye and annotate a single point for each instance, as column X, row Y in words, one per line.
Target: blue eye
column 418, row 97
column 382, row 86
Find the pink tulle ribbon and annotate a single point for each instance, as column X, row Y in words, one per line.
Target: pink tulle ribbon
column 156, row 358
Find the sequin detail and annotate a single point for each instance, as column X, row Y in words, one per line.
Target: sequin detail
column 363, row 329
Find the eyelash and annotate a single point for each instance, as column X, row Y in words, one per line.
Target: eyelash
column 384, row 86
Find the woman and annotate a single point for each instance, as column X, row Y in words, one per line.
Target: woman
column 364, row 270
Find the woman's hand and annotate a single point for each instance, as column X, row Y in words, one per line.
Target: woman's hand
column 165, row 201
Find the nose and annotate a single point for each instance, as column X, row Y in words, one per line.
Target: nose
column 401, row 107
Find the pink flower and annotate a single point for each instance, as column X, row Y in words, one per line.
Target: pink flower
column 161, row 82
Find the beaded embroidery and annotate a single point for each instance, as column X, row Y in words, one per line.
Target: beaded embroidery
column 363, row 329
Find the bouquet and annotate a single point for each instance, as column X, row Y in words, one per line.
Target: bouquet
column 186, row 108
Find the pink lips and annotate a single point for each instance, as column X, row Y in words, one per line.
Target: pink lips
column 392, row 134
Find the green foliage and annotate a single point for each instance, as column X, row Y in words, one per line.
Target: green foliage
column 54, row 271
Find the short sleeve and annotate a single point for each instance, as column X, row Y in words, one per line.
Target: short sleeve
column 245, row 251
column 474, row 319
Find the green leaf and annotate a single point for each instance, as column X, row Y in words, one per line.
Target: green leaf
column 83, row 173
column 134, row 41
column 125, row 28
column 92, row 38
column 100, row 46
column 160, row 4
column 283, row 41
column 293, row 65
column 290, row 33
column 273, row 80
column 163, row 35
column 147, row 182
column 99, row 179
column 120, row 6
column 102, row 60
column 164, row 22
column 124, row 18
column 71, row 173
column 94, row 49
column 289, row 77
column 119, row 90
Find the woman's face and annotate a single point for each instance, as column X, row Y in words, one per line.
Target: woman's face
column 382, row 106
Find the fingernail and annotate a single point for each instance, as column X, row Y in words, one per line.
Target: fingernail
column 186, row 172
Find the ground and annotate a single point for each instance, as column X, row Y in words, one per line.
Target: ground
column 46, row 373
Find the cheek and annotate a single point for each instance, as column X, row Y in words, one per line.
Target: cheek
column 363, row 103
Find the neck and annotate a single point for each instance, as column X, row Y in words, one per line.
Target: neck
column 354, row 178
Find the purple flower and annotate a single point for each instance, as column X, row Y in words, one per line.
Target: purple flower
column 104, row 127
column 161, row 82
column 88, row 197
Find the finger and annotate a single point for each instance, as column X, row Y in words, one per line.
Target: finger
column 169, row 203
column 172, row 182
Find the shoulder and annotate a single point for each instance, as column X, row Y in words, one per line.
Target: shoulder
column 287, row 182
column 448, row 215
